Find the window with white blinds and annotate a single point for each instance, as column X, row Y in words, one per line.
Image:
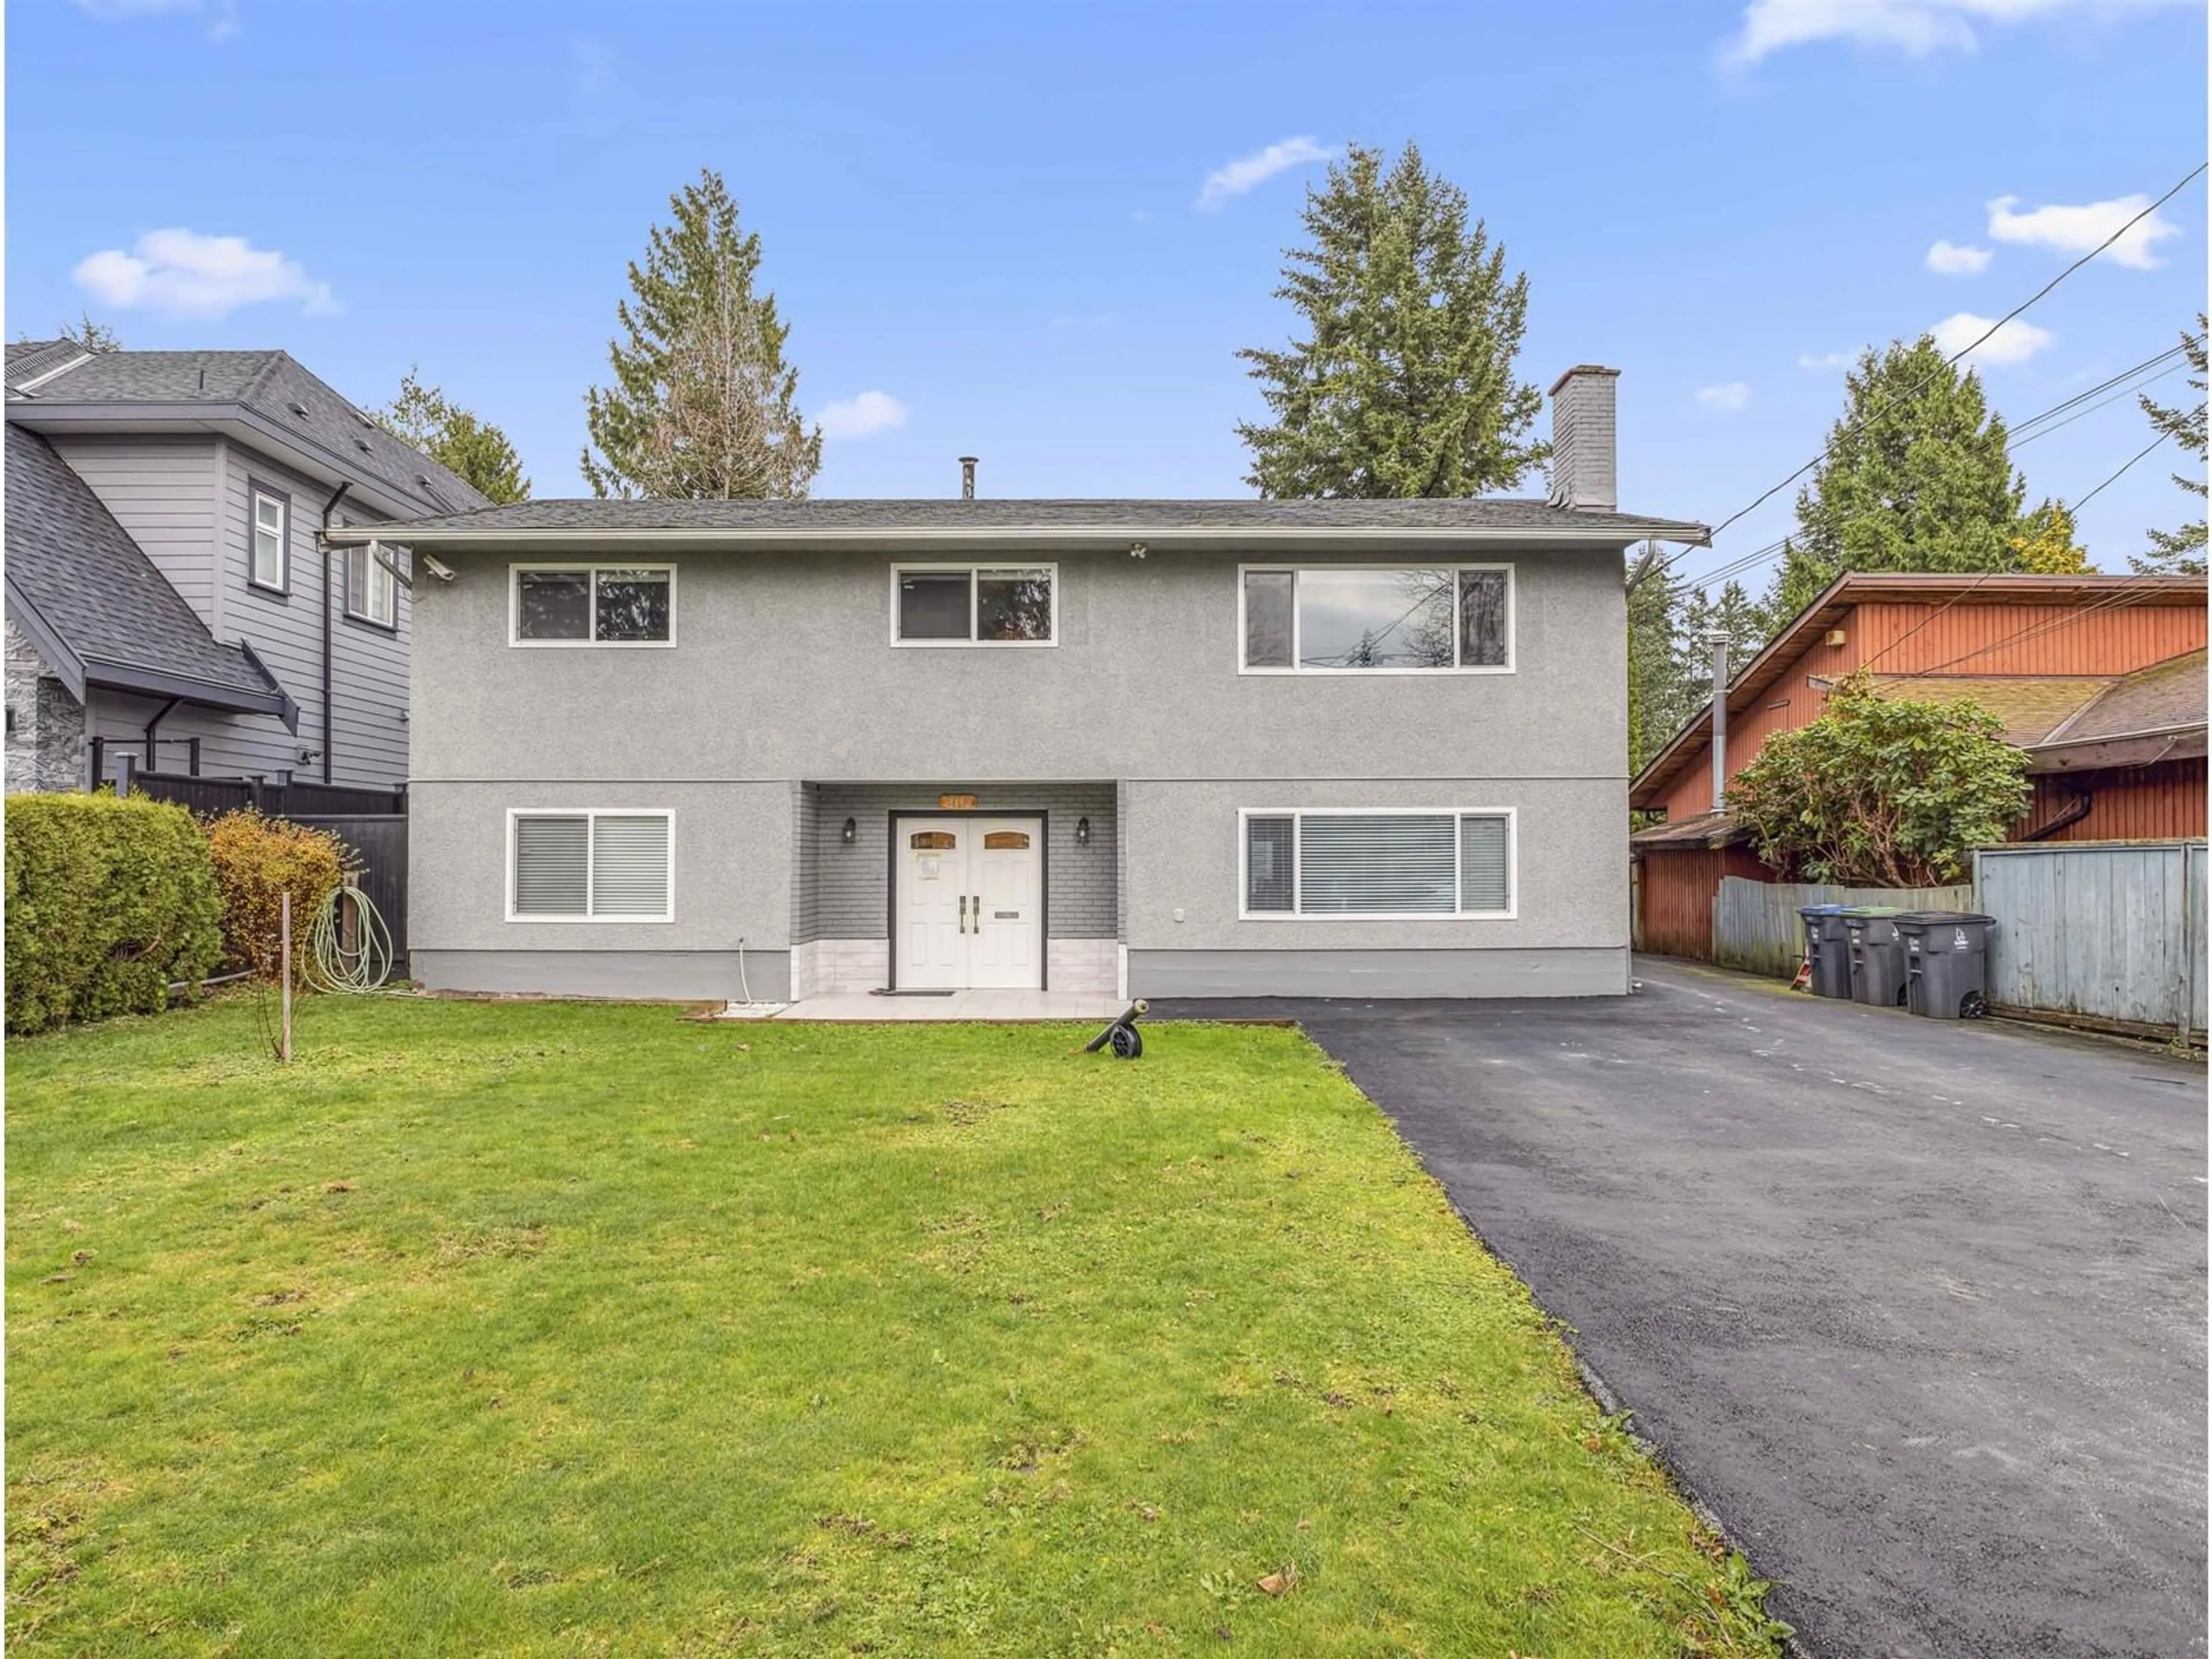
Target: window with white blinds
column 1400, row 863
column 592, row 866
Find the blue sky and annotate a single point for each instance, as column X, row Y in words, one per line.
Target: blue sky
column 996, row 218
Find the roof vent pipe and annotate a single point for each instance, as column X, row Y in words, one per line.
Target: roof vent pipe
column 1719, row 641
column 968, row 478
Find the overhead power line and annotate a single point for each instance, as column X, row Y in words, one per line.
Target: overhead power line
column 1768, row 495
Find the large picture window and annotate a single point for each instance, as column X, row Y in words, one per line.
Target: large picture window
column 1395, row 864
column 594, row 604
column 974, row 604
column 591, row 866
column 1345, row 619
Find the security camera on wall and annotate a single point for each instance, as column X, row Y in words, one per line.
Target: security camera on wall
column 444, row 573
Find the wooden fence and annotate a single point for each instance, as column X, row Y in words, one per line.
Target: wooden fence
column 1756, row 925
column 2105, row 935
column 372, row 822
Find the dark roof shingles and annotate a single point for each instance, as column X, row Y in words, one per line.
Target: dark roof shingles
column 270, row 383
column 1014, row 513
column 93, row 584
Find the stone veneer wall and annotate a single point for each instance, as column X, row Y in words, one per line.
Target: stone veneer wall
column 45, row 744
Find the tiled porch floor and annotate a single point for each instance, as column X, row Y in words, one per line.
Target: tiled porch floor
column 961, row 1005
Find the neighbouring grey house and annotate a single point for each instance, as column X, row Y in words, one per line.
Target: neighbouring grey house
column 166, row 597
column 1348, row 748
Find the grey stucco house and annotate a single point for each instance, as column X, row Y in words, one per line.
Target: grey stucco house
column 1169, row 748
column 166, row 597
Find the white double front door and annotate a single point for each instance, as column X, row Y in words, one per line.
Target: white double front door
column 968, row 909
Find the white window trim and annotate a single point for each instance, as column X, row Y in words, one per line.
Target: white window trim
column 1512, row 815
column 374, row 554
column 1512, row 599
column 515, row 605
column 591, row 838
column 284, row 582
column 973, row 565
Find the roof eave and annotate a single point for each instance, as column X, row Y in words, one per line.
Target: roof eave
column 54, row 651
column 228, row 419
column 140, row 681
column 1103, row 535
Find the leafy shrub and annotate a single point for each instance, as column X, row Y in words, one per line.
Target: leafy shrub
column 1882, row 791
column 108, row 902
column 256, row 861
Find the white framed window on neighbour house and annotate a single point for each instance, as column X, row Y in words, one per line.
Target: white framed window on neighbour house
column 268, row 537
column 591, row 604
column 975, row 605
column 1383, row 864
column 372, row 591
column 615, row 863
column 1375, row 619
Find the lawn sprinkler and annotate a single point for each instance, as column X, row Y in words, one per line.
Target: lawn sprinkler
column 1121, row 1035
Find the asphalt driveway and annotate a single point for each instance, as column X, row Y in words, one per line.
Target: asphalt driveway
column 1918, row 1308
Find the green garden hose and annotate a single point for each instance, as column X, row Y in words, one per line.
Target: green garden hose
column 330, row 965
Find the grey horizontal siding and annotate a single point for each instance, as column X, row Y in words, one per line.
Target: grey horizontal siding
column 854, row 896
column 369, row 666
column 806, row 864
column 231, row 745
column 162, row 490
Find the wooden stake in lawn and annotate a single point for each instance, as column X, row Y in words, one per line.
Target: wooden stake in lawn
column 284, row 920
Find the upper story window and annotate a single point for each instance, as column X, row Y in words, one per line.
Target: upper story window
column 594, row 604
column 372, row 591
column 1340, row 619
column 975, row 605
column 272, row 515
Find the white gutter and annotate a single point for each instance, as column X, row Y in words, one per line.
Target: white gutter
column 416, row 535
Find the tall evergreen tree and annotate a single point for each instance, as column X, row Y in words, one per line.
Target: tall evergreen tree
column 1915, row 477
column 2181, row 552
column 454, row 438
column 703, row 405
column 1403, row 385
column 1660, row 694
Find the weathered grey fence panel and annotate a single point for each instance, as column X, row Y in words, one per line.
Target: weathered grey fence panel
column 2102, row 930
column 1756, row 925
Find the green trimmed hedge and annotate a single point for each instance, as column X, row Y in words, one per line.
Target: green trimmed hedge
column 108, row 902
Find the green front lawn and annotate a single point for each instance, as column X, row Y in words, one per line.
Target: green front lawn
column 576, row 1330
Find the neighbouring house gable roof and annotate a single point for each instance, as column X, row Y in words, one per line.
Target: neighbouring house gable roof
column 30, row 360
column 1167, row 520
column 2165, row 696
column 1749, row 683
column 271, row 384
column 93, row 592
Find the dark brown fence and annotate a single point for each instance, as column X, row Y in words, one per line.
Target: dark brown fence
column 372, row 822
column 378, row 842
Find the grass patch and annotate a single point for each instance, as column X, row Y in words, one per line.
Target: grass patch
column 559, row 1329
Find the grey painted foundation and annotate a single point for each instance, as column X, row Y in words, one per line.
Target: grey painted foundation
column 1378, row 974
column 634, row 975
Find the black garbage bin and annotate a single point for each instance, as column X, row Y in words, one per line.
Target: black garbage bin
column 1877, row 955
column 1946, row 963
column 1827, row 949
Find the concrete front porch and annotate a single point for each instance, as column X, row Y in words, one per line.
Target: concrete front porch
column 988, row 1005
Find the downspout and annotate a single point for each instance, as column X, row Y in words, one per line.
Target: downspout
column 153, row 734
column 322, row 539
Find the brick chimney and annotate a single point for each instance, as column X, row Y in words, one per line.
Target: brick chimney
column 1583, row 474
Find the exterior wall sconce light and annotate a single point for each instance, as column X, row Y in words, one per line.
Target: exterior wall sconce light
column 851, row 832
column 1083, row 832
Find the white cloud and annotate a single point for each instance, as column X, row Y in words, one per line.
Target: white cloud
column 182, row 273
column 1248, row 173
column 1825, row 359
column 2016, row 343
column 858, row 417
column 2078, row 229
column 1949, row 260
column 1917, row 28
column 1728, row 397
column 219, row 18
